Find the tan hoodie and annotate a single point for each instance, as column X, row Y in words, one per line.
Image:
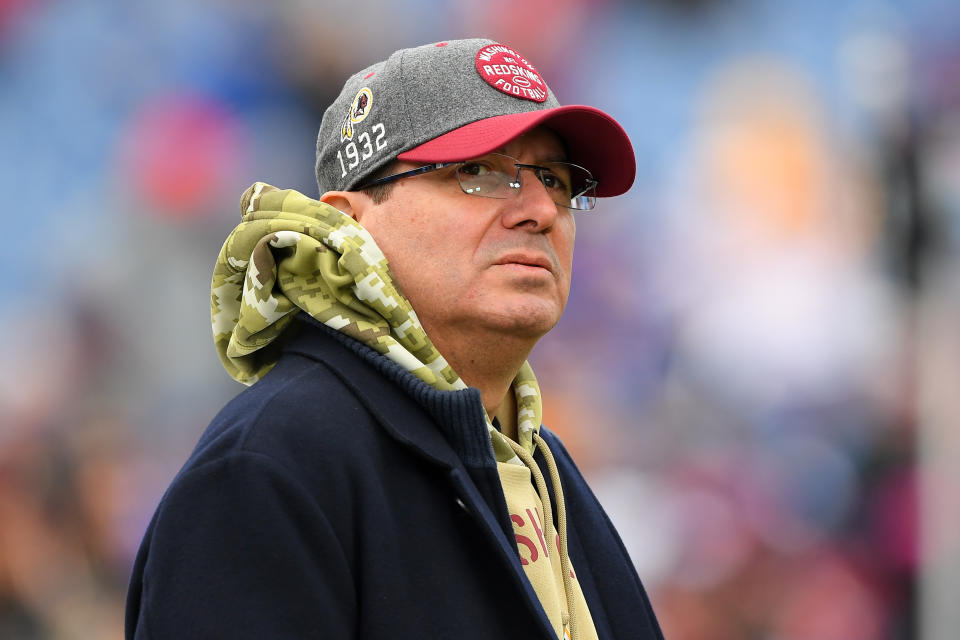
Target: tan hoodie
column 543, row 547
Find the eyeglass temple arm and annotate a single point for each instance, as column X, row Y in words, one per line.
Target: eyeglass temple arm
column 412, row 172
column 589, row 184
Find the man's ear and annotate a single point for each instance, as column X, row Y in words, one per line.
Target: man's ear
column 352, row 203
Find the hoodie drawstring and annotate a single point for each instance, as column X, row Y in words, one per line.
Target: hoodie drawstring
column 541, row 485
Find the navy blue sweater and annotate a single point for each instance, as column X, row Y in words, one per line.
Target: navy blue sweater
column 341, row 497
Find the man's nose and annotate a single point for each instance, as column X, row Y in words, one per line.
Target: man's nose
column 533, row 207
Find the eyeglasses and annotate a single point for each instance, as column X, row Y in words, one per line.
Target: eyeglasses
column 496, row 175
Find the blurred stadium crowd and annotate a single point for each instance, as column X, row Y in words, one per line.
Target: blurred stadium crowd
column 760, row 362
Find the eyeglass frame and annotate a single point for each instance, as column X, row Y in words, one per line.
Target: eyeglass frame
column 520, row 166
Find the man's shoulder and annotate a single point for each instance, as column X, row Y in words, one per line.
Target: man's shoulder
column 300, row 407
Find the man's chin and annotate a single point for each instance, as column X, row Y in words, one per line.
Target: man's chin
column 528, row 317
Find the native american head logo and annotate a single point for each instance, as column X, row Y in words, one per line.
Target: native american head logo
column 361, row 105
column 362, row 101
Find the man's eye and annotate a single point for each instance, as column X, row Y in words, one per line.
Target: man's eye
column 552, row 181
column 475, row 168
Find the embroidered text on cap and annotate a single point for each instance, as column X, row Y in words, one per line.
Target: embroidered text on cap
column 509, row 72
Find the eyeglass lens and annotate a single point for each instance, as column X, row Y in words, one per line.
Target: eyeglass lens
column 496, row 176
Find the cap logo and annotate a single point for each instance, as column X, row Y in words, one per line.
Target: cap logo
column 509, row 72
column 361, row 105
column 359, row 109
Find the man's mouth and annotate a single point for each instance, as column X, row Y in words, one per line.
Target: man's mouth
column 526, row 260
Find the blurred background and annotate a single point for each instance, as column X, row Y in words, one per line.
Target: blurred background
column 759, row 368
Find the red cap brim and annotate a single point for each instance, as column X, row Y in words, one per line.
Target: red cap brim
column 594, row 140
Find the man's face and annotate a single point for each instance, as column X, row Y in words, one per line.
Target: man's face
column 468, row 262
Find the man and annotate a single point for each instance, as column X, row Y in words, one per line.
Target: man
column 387, row 475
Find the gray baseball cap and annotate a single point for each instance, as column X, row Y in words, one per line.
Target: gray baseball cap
column 457, row 100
